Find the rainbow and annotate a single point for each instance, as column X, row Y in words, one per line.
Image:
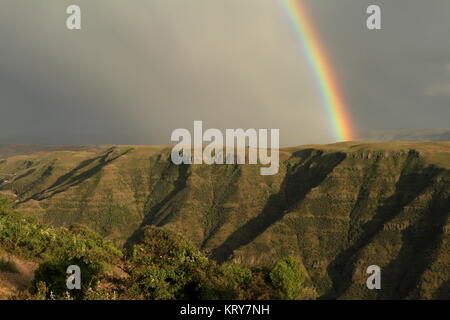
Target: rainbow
column 336, row 108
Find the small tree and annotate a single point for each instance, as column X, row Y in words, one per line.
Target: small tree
column 164, row 265
column 288, row 277
column 53, row 275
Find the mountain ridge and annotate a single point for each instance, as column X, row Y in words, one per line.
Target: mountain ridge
column 337, row 208
column 407, row 135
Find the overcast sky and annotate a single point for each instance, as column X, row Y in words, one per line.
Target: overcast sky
column 139, row 69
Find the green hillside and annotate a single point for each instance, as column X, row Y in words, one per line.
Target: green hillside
column 336, row 208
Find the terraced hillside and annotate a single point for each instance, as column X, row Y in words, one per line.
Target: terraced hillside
column 337, row 208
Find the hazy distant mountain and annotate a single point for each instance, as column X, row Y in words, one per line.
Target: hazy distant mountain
column 337, row 208
column 407, row 135
column 9, row 149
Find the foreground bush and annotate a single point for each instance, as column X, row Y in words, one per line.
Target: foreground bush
column 288, row 277
column 166, row 266
column 163, row 265
column 56, row 249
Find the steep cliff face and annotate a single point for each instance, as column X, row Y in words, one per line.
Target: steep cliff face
column 337, row 208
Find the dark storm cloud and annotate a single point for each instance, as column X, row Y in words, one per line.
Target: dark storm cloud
column 397, row 77
column 139, row 69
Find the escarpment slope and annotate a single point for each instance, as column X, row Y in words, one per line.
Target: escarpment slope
column 337, row 208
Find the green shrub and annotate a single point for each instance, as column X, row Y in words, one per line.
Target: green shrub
column 236, row 281
column 165, row 266
column 288, row 277
column 57, row 248
column 53, row 275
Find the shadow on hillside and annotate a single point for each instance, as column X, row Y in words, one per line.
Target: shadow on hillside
column 77, row 175
column 223, row 187
column 443, row 292
column 178, row 185
column 313, row 168
column 414, row 180
column 26, row 174
column 41, row 178
column 362, row 199
column 421, row 243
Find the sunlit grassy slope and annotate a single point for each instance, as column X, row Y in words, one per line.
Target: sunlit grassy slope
column 338, row 208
